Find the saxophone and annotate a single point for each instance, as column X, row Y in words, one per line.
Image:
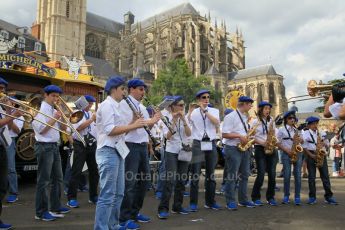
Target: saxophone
column 271, row 140
column 250, row 137
column 320, row 152
column 296, row 147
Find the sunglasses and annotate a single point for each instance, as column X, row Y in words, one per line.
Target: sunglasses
column 290, row 118
column 181, row 105
column 205, row 97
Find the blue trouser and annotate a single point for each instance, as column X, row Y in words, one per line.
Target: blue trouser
column 296, row 172
column 323, row 170
column 112, row 182
column 264, row 162
column 161, row 173
column 3, row 175
column 49, row 172
column 210, row 158
column 176, row 175
column 137, row 176
column 12, row 173
column 238, row 168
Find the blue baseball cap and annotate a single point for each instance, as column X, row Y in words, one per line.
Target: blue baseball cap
column 227, row 111
column 245, row 99
column 288, row 113
column 167, row 97
column 113, row 82
column 264, row 103
column 3, row 82
column 150, row 110
column 136, row 82
column 90, row 98
column 312, row 119
column 201, row 92
column 177, row 98
column 52, row 89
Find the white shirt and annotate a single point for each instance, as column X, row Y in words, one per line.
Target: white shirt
column 156, row 131
column 199, row 121
column 4, row 130
column 335, row 108
column 51, row 135
column 309, row 143
column 90, row 129
column 19, row 123
column 109, row 116
column 137, row 135
column 283, row 136
column 262, row 129
column 174, row 144
column 233, row 124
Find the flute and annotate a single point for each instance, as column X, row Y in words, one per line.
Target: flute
column 155, row 143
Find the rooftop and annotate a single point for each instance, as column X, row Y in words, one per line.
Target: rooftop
column 252, row 72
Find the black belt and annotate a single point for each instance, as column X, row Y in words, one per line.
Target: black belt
column 46, row 143
column 133, row 143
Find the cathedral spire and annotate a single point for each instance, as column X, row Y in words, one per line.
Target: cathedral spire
column 209, row 16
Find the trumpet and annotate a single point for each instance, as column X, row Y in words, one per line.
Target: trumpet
column 318, row 89
column 30, row 109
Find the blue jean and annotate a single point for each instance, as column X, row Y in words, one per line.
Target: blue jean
column 210, row 158
column 296, row 172
column 137, row 176
column 111, row 170
column 238, row 168
column 49, row 172
column 12, row 173
column 161, row 173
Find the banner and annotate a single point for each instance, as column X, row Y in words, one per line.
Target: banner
column 22, row 59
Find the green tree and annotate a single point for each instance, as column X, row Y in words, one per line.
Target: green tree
column 177, row 79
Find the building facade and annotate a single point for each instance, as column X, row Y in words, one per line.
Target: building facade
column 261, row 83
column 143, row 47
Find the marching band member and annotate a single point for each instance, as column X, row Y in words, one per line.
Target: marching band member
column 48, row 158
column 4, row 143
column 285, row 141
column 84, row 154
column 311, row 139
column 110, row 154
column 234, row 131
column 14, row 128
column 176, row 170
column 137, row 169
column 204, row 121
column 264, row 162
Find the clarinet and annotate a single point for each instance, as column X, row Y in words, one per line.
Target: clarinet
column 155, row 143
column 164, row 119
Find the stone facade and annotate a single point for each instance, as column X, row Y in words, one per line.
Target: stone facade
column 61, row 24
column 143, row 47
column 261, row 83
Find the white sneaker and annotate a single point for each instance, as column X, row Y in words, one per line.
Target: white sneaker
column 335, row 174
column 57, row 215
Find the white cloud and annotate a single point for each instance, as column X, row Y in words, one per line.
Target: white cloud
column 302, row 39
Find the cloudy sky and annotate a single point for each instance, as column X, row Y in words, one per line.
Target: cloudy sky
column 302, row 39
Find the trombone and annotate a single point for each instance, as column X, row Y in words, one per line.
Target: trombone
column 74, row 117
column 34, row 111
